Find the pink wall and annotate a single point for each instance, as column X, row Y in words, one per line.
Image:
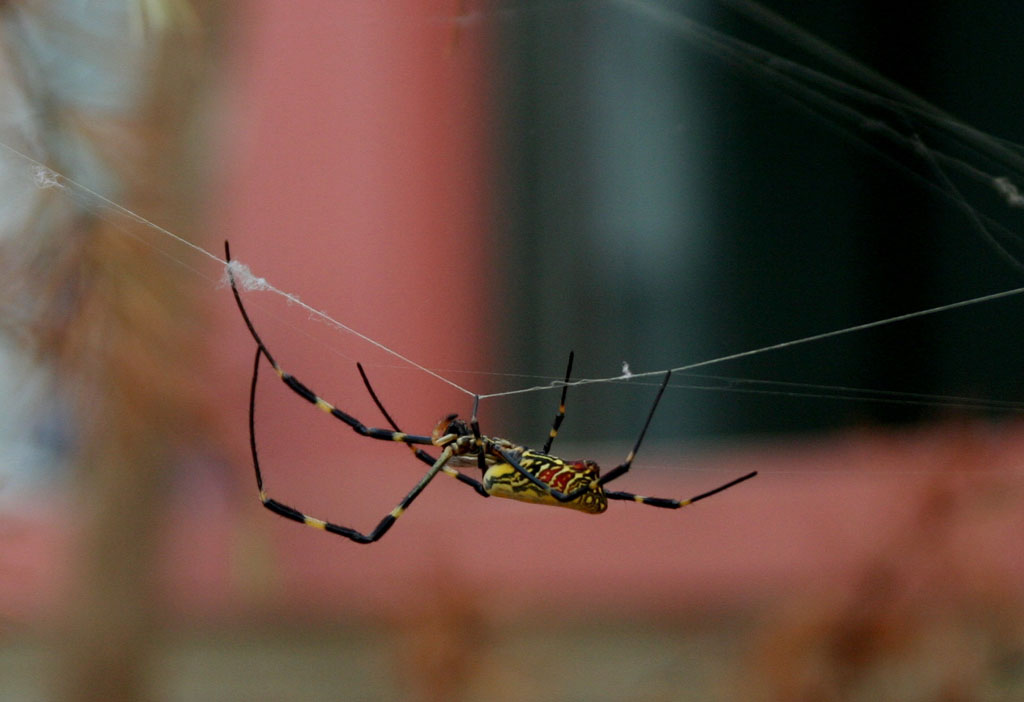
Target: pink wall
column 357, row 177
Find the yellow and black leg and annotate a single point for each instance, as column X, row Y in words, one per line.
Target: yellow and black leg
column 307, row 394
column 623, row 467
column 418, row 452
column 382, row 434
column 481, row 448
column 295, row 515
column 670, row 503
column 561, row 409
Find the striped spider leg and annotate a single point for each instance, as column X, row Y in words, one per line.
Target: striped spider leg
column 294, row 514
column 418, row 452
column 447, row 442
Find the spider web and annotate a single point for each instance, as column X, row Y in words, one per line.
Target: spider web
column 881, row 117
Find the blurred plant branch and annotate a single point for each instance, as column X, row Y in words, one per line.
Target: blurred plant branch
column 107, row 93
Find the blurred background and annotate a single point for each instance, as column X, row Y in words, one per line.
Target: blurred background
column 483, row 187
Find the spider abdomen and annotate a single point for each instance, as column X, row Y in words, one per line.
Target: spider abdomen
column 503, row 480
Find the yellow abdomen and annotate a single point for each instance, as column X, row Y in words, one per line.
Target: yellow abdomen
column 502, row 480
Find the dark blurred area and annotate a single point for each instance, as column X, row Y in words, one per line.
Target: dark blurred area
column 695, row 201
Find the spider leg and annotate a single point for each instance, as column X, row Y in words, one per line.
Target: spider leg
column 623, row 468
column 297, row 516
column 669, row 503
column 474, row 424
column 303, row 391
column 561, row 410
column 419, row 453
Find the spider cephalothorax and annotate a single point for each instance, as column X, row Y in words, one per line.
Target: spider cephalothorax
column 450, row 426
column 507, row 469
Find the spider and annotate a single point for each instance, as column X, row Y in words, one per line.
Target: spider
column 507, row 469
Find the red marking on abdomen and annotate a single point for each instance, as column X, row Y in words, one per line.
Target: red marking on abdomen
column 557, row 478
